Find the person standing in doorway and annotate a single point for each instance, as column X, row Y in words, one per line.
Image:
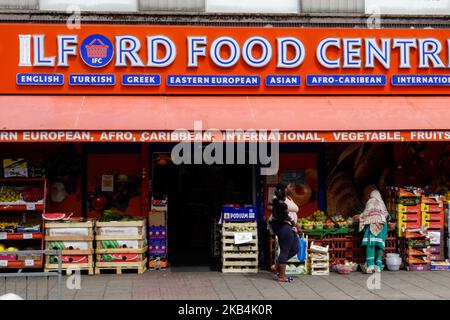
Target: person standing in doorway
column 284, row 228
column 373, row 221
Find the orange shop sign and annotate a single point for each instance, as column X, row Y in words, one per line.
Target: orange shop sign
column 118, row 59
column 223, row 136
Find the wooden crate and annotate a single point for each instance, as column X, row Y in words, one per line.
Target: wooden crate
column 140, row 256
column 241, row 258
column 54, row 225
column 233, row 269
column 139, row 266
column 141, row 244
column 83, row 240
column 138, row 223
column 69, row 267
column 49, row 245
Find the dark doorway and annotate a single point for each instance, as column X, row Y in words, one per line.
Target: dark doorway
column 196, row 194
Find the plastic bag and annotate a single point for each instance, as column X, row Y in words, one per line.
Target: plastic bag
column 302, row 253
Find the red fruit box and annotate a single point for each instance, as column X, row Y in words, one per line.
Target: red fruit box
column 433, row 224
column 436, row 250
column 408, row 209
column 433, row 216
column 437, row 208
column 437, row 257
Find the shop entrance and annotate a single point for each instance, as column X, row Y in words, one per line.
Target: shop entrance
column 196, row 194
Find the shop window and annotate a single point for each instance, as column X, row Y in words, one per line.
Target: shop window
column 98, row 5
column 408, row 7
column 332, row 6
column 172, row 5
column 19, row 4
column 253, row 6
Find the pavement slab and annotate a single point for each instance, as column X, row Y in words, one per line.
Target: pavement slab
column 167, row 285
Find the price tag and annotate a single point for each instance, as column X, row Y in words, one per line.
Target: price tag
column 29, row 263
column 28, row 236
column 31, row 206
column 3, row 235
column 3, row 263
column 242, row 237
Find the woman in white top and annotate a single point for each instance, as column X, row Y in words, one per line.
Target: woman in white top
column 292, row 206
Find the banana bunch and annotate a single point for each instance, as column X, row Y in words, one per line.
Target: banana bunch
column 8, row 194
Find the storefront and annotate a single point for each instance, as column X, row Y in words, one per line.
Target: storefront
column 102, row 108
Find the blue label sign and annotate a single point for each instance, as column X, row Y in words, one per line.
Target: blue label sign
column 346, row 80
column 283, row 81
column 97, row 51
column 39, row 79
column 238, row 213
column 420, row 80
column 92, row 79
column 141, row 79
column 213, row 81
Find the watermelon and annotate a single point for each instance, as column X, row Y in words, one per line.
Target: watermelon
column 56, row 216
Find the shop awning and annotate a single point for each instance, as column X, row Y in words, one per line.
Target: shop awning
column 327, row 115
column 220, row 112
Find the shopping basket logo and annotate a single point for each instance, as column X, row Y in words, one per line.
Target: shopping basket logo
column 97, row 51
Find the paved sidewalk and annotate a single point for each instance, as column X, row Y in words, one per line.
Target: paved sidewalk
column 163, row 285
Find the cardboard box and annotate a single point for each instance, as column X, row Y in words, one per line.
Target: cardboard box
column 15, row 168
column 157, row 218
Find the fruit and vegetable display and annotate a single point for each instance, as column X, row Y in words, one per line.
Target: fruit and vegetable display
column 122, row 244
column 320, row 221
column 111, row 215
column 340, row 221
column 319, row 216
column 32, row 194
column 64, row 245
column 117, row 257
column 9, row 194
column 4, row 248
column 240, row 229
column 344, row 268
column 17, row 227
column 18, row 195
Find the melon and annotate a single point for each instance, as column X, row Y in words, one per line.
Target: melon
column 55, row 216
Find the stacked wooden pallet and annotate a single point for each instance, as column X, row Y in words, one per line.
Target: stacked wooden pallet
column 319, row 260
column 239, row 257
column 75, row 238
column 121, row 245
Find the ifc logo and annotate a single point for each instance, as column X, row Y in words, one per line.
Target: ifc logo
column 97, row 51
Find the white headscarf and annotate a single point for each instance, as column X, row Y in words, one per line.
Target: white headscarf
column 374, row 214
